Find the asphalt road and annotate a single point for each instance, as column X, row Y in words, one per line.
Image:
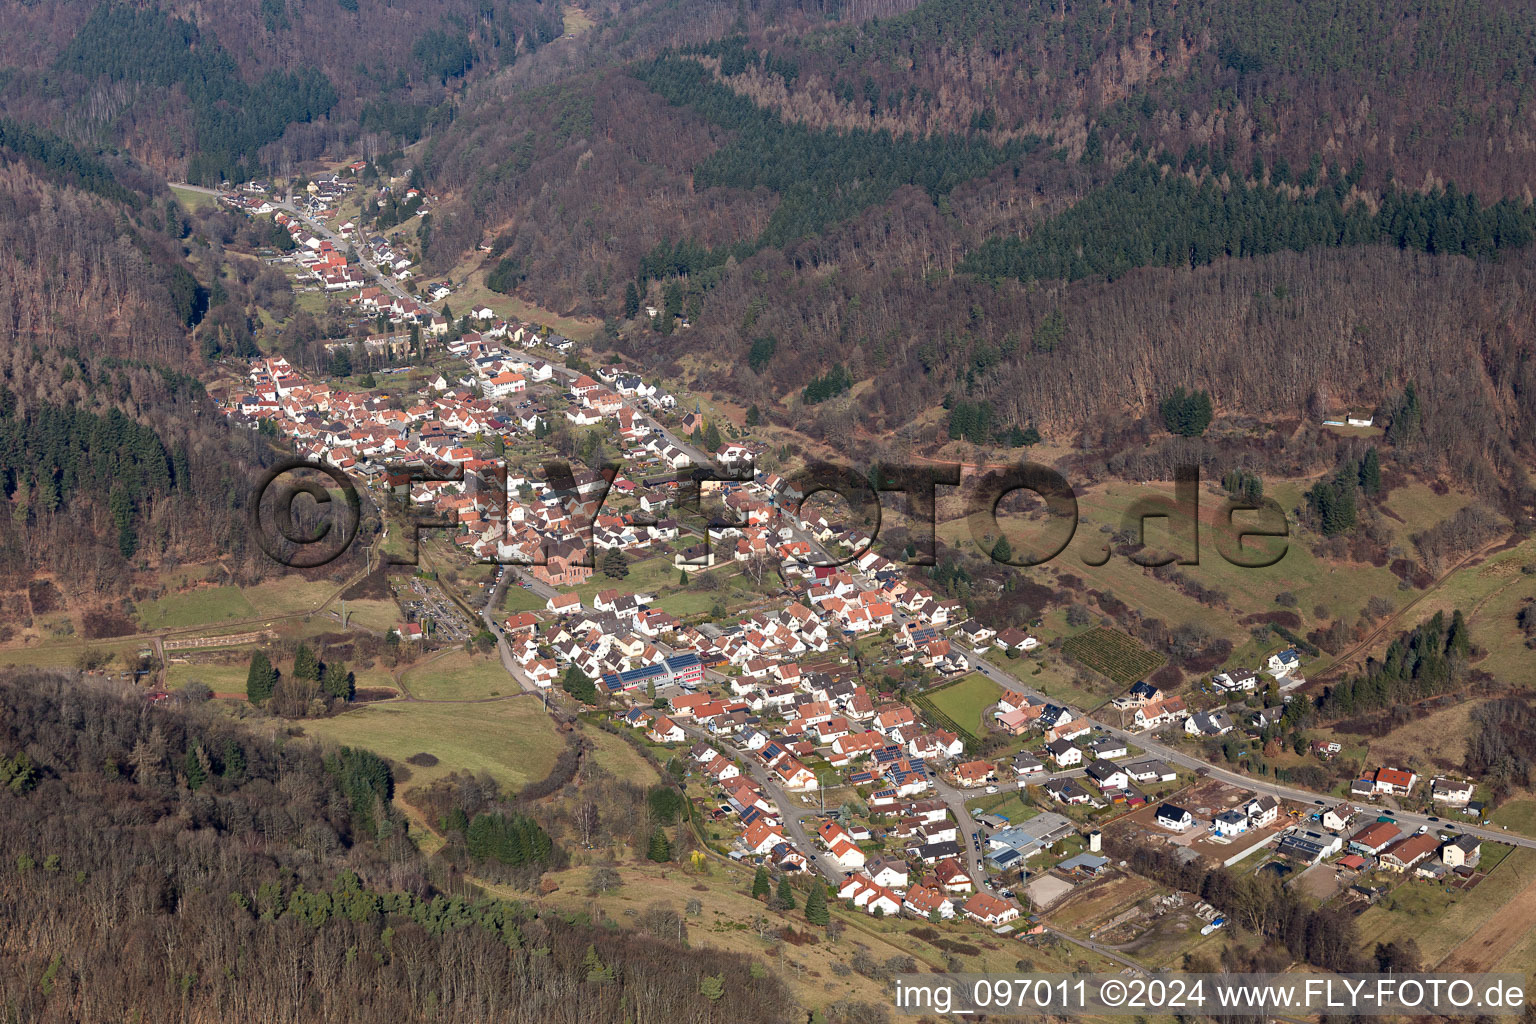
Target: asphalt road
column 490, row 613
column 384, row 280
column 1238, row 780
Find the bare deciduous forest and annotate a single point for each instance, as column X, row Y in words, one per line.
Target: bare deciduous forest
column 162, row 863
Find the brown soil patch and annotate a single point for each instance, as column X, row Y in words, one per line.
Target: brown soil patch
column 1492, row 942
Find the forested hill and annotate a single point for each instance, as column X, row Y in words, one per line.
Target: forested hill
column 206, row 91
column 111, row 454
column 164, row 864
column 969, row 204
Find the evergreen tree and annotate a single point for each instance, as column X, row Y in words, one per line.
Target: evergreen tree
column 305, row 664
column 1186, row 413
column 712, row 986
column 1457, row 640
column 761, row 352
column 593, row 966
column 615, row 564
column 660, row 850
column 816, row 904
column 1406, row 417
column 631, row 301
column 261, row 679
column 192, row 765
column 576, row 683
column 786, row 896
column 1002, row 551
column 753, row 416
column 761, row 885
column 337, row 681
column 1370, row 473
column 1093, row 148
column 233, row 761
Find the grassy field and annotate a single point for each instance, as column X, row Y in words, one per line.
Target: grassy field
column 289, row 593
column 1415, row 507
column 459, row 675
column 738, row 592
column 219, row 678
column 964, row 701
column 1340, row 589
column 1518, row 814
column 725, row 913
column 575, row 21
column 650, row 576
column 1440, row 733
column 1490, row 594
column 512, row 740
column 619, row 759
column 192, row 200
column 60, row 655
column 195, row 607
column 1009, row 803
column 379, row 616
column 519, row 599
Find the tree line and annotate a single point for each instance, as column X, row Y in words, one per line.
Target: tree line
column 52, row 454
column 64, row 162
column 1427, row 660
column 1258, row 903
column 820, row 177
column 1148, row 215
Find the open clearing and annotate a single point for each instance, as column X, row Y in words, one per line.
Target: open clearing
column 615, row 756
column 1518, row 814
column 725, row 921
column 202, row 606
column 965, row 701
column 190, row 199
column 459, row 675
column 1439, row 735
column 512, row 740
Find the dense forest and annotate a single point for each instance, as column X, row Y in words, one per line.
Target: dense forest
column 233, row 90
column 110, row 451
column 1428, row 660
column 1044, row 254
column 820, row 177
column 1149, row 215
column 231, row 120
column 163, row 863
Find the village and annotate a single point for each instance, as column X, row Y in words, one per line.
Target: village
column 810, row 765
